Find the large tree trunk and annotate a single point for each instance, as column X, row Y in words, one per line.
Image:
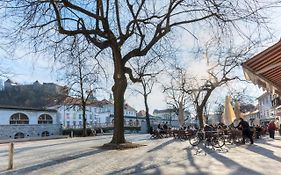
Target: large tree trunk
column 200, row 116
column 118, row 93
column 147, row 114
column 119, row 88
column 200, row 108
column 181, row 114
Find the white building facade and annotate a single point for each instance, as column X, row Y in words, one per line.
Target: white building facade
column 98, row 114
column 17, row 122
column 130, row 115
column 266, row 112
column 167, row 115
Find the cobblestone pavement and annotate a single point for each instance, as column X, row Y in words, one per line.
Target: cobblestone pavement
column 163, row 156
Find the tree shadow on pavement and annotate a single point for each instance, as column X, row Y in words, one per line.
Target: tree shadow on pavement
column 239, row 169
column 192, row 162
column 29, row 169
column 155, row 168
column 267, row 142
column 18, row 150
column 140, row 169
column 159, row 147
column 264, row 152
column 137, row 169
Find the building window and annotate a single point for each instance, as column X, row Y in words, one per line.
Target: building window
column 19, row 118
column 68, row 124
column 45, row 134
column 131, row 122
column 80, row 123
column 80, row 116
column 74, row 123
column 19, row 135
column 45, row 119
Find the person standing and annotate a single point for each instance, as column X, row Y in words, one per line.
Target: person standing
column 271, row 129
column 245, row 130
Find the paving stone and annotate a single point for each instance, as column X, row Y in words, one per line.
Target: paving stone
column 163, row 156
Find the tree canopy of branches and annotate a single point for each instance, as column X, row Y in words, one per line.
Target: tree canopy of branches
column 127, row 29
column 175, row 91
column 221, row 67
column 147, row 69
column 81, row 72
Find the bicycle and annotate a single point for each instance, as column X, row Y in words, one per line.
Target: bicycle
column 213, row 138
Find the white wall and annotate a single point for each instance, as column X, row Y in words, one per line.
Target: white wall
column 33, row 116
column 265, row 106
column 71, row 114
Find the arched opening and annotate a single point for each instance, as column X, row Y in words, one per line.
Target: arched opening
column 45, row 119
column 45, row 134
column 19, row 135
column 18, row 119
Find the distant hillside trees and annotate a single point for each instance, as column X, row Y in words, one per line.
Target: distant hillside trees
column 34, row 95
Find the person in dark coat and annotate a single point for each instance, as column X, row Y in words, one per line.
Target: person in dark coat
column 245, row 130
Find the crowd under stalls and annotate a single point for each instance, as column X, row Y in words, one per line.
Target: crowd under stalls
column 256, row 130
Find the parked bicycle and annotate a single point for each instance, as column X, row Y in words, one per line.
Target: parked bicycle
column 213, row 138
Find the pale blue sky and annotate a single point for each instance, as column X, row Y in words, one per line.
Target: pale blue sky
column 29, row 69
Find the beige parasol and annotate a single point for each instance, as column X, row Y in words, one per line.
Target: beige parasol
column 229, row 115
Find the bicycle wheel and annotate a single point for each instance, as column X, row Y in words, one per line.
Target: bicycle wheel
column 194, row 140
column 218, row 141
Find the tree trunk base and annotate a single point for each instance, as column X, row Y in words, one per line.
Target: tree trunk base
column 121, row 146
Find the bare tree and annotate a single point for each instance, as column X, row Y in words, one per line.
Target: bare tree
column 147, row 84
column 222, row 63
column 244, row 100
column 81, row 72
column 175, row 91
column 128, row 28
column 147, row 69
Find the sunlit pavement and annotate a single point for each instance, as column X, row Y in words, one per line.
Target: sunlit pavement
column 162, row 156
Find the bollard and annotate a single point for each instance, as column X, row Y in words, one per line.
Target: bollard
column 71, row 134
column 11, row 156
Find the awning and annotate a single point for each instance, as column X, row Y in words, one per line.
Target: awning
column 264, row 69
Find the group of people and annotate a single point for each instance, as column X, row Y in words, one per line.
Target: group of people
column 247, row 131
column 243, row 125
column 163, row 129
column 272, row 127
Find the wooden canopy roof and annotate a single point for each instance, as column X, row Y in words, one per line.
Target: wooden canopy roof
column 264, row 69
